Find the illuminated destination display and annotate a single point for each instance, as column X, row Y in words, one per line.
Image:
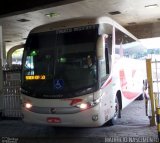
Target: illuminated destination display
column 35, row 77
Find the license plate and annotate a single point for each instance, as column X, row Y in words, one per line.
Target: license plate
column 53, row 120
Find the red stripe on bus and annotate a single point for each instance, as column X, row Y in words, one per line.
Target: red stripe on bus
column 130, row 95
column 122, row 78
column 74, row 101
column 107, row 83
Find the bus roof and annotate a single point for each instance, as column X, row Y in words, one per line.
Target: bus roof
column 81, row 21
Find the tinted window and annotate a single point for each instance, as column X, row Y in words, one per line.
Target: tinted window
column 62, row 57
column 128, row 47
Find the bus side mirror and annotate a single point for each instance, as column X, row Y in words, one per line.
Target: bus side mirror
column 101, row 46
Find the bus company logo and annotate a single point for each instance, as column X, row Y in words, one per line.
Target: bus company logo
column 58, row 95
column 53, row 110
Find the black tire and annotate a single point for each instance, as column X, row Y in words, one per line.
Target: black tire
column 0, row 115
column 141, row 97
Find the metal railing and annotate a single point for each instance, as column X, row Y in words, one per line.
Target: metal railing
column 11, row 92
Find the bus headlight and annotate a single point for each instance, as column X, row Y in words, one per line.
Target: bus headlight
column 87, row 105
column 83, row 106
column 28, row 105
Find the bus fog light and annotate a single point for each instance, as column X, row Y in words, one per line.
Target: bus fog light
column 28, row 105
column 95, row 117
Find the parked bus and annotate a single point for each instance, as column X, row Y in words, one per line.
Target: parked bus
column 80, row 72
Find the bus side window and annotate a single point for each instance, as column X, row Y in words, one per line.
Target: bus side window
column 107, row 57
column 108, row 51
column 119, row 41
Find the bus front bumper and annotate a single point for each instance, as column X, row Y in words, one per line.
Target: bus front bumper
column 91, row 117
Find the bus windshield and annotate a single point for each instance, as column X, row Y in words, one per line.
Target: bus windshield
column 61, row 63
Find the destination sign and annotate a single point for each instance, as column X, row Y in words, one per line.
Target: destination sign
column 81, row 28
column 35, row 77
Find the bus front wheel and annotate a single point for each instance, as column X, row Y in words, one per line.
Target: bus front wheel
column 117, row 113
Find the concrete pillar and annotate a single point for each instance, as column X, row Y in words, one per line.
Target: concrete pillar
column 4, row 54
column 1, row 56
column 1, row 46
column 1, row 72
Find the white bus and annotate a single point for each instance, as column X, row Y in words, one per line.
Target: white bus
column 59, row 88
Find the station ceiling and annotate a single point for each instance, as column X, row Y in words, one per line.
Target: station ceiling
column 19, row 17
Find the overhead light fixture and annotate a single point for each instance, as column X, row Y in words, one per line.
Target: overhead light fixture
column 132, row 23
column 23, row 20
column 115, row 12
column 7, row 41
column 52, row 14
column 151, row 6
